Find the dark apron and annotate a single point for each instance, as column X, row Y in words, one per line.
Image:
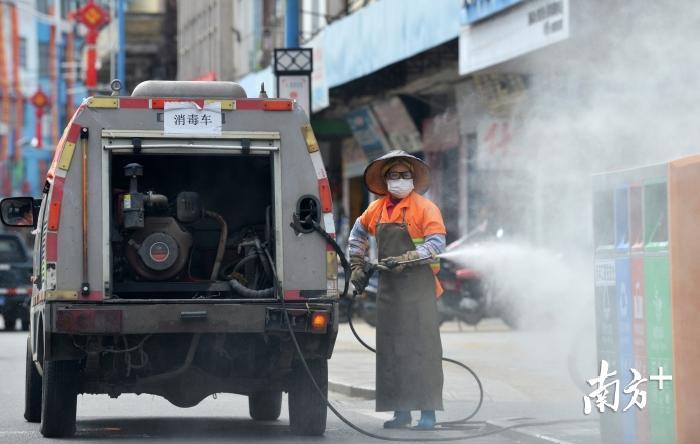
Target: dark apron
column 409, row 352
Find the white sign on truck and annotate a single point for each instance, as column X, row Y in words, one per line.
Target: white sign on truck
column 190, row 118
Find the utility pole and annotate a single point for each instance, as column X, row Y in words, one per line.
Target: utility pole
column 112, row 41
column 121, row 55
column 291, row 24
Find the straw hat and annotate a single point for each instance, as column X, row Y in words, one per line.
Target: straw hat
column 375, row 171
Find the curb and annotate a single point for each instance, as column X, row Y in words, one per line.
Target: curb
column 355, row 391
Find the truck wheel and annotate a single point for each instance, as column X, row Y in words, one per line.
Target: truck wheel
column 265, row 406
column 10, row 322
column 59, row 398
column 32, row 389
column 307, row 410
column 25, row 324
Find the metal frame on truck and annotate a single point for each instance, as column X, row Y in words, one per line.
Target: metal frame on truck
column 85, row 329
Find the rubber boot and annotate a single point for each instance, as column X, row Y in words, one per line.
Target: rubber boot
column 400, row 420
column 427, row 420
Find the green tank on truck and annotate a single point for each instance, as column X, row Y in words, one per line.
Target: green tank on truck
column 165, row 262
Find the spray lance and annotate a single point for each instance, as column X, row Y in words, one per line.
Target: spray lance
column 371, row 268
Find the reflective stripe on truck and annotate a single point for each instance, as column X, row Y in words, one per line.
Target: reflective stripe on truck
column 159, row 103
column 324, row 192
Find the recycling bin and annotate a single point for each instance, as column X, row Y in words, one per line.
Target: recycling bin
column 647, row 271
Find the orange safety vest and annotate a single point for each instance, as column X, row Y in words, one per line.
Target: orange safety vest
column 423, row 218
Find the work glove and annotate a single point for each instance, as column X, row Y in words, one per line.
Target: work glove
column 394, row 263
column 359, row 276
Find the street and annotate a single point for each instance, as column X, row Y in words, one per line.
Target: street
column 180, row 181
column 225, row 418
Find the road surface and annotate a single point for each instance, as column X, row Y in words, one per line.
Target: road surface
column 132, row 418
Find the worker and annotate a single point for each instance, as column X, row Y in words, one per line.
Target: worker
column 407, row 227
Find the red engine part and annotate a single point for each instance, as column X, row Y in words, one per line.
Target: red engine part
column 159, row 250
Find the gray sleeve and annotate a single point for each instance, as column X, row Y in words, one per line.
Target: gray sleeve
column 358, row 240
column 433, row 245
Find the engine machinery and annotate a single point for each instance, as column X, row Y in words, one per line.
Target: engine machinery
column 157, row 241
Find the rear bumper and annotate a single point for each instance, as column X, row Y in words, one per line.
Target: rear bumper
column 156, row 317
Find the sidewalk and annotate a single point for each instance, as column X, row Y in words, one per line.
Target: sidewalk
column 525, row 379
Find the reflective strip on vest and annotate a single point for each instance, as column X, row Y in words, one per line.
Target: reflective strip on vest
column 435, row 264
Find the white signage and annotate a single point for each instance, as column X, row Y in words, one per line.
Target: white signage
column 190, row 118
column 295, row 88
column 515, row 32
column 319, row 88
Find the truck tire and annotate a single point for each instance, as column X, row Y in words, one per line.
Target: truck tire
column 59, row 398
column 307, row 410
column 265, row 406
column 10, row 322
column 32, row 389
column 25, row 324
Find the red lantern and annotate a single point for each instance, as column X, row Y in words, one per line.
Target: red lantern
column 40, row 101
column 94, row 17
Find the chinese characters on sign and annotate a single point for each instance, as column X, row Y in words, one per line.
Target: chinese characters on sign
column 295, row 88
column 190, row 118
column 554, row 10
column 530, row 26
column 638, row 397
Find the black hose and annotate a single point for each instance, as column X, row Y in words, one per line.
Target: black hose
column 346, row 267
column 341, row 254
column 246, row 292
column 278, row 289
column 452, row 361
column 242, row 262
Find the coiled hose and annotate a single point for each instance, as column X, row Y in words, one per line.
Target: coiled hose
column 300, row 354
column 346, row 267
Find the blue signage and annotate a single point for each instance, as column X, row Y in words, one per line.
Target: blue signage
column 367, row 132
column 475, row 10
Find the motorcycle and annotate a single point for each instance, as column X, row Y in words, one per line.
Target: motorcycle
column 468, row 297
column 465, row 295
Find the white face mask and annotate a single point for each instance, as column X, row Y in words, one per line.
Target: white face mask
column 400, row 187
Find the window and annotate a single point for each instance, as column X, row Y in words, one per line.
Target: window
column 66, row 8
column 44, row 59
column 42, row 6
column 23, row 52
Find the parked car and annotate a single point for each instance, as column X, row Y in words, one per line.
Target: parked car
column 15, row 284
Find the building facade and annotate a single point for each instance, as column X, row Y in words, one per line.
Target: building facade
column 39, row 53
column 487, row 92
column 150, row 28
